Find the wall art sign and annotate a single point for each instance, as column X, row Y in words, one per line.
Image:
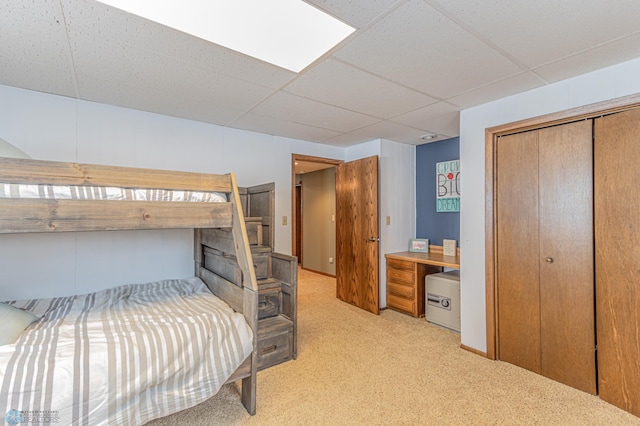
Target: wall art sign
column 448, row 186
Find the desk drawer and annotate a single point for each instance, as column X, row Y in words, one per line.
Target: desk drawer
column 401, row 276
column 401, row 304
column 405, row 291
column 400, row 264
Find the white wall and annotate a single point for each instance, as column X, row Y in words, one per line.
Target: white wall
column 56, row 128
column 318, row 220
column 51, row 127
column 605, row 84
column 363, row 150
column 398, row 201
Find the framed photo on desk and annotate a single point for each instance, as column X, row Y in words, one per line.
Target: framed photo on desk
column 419, row 245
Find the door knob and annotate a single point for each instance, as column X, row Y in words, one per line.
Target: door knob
column 372, row 239
column 549, row 259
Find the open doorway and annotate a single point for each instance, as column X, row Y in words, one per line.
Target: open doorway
column 313, row 212
column 353, row 223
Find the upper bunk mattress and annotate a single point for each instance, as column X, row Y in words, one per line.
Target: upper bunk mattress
column 74, row 192
column 124, row 355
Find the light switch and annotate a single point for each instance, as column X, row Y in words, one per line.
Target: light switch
column 284, row 220
column 388, row 220
column 333, row 218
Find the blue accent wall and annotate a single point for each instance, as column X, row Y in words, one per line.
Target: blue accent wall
column 429, row 223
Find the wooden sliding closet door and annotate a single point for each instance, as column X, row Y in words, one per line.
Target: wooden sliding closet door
column 617, row 233
column 545, row 271
column 518, row 267
column 567, row 306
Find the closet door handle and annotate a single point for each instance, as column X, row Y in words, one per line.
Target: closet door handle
column 372, row 239
column 549, row 259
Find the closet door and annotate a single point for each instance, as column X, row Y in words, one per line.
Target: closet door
column 617, row 233
column 567, row 313
column 518, row 266
column 544, row 248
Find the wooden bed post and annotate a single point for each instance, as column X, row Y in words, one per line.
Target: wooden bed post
column 249, row 384
column 197, row 251
column 250, row 299
column 240, row 239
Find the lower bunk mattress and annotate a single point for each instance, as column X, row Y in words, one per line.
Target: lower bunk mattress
column 124, row 355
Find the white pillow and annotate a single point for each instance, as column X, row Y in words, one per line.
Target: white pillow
column 13, row 322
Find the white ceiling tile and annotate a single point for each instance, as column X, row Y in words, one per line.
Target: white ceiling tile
column 358, row 13
column 339, row 84
column 500, row 89
column 123, row 75
column 272, row 126
column 407, row 70
column 96, row 19
column 395, row 132
column 419, row 47
column 541, row 31
column 293, row 108
column 599, row 57
column 346, row 139
column 34, row 76
column 440, row 118
column 34, row 49
column 36, row 34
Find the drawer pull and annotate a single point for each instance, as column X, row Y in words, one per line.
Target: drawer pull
column 266, row 303
column 268, row 350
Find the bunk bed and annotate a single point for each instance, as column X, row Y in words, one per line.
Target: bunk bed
column 92, row 382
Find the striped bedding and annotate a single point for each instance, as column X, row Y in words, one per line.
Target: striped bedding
column 73, row 192
column 122, row 356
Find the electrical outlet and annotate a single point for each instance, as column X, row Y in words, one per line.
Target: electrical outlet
column 331, row 260
column 284, row 220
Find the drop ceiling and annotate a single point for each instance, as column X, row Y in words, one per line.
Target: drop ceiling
column 408, row 70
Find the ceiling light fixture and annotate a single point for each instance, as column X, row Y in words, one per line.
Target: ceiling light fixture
column 428, row 136
column 288, row 33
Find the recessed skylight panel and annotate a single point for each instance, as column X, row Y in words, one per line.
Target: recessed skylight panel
column 288, row 33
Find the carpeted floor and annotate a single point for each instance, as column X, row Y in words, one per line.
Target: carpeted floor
column 356, row 368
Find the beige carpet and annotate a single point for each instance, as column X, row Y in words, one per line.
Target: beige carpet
column 357, row 368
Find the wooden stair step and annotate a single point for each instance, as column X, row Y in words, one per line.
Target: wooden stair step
column 274, row 325
column 260, row 249
column 269, row 283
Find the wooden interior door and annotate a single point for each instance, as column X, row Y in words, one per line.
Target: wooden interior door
column 567, row 294
column 518, row 253
column 545, row 273
column 357, row 242
column 617, row 217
